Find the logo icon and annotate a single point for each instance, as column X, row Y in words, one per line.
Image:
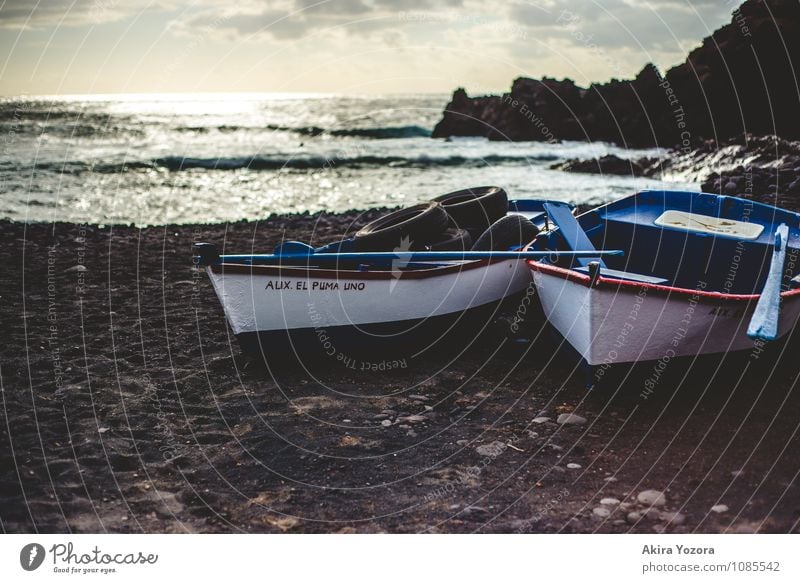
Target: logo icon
column 399, row 264
column 31, row 556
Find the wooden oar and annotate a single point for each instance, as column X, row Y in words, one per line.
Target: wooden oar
column 408, row 256
column 764, row 323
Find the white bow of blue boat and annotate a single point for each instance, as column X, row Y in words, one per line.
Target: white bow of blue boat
column 695, row 267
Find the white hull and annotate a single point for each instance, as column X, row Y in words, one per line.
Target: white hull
column 611, row 324
column 264, row 299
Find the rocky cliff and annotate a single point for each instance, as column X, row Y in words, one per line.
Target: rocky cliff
column 743, row 78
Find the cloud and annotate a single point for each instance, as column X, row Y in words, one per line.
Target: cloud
column 641, row 24
column 28, row 14
column 294, row 19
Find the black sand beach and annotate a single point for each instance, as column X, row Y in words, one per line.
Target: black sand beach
column 127, row 407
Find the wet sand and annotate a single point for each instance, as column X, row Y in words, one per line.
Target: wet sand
column 128, row 407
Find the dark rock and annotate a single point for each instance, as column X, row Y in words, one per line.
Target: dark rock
column 737, row 81
column 608, row 164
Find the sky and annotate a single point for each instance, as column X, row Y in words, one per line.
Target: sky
column 59, row 47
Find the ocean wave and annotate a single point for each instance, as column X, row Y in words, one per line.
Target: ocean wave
column 380, row 133
column 386, row 133
column 177, row 163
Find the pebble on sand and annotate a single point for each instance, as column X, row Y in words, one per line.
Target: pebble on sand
column 652, row 498
column 651, row 514
column 601, row 512
column 570, row 419
column 541, row 419
column 633, row 517
column 674, row 518
column 491, row 449
column 573, row 466
column 719, row 508
column 609, row 501
column 413, row 419
column 386, row 422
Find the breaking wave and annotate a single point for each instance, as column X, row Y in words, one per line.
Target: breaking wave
column 177, row 163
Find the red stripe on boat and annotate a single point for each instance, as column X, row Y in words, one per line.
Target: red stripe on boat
column 572, row 275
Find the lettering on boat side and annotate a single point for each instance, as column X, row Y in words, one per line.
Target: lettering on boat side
column 677, row 550
column 303, row 285
column 727, row 312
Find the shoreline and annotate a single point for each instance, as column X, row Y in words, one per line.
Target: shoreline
column 129, row 407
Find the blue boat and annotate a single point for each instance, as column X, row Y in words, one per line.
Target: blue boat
column 700, row 274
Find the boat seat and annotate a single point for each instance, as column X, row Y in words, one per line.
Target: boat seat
column 576, row 238
column 627, row 275
column 536, row 217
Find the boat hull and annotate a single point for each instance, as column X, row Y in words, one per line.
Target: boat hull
column 614, row 322
column 269, row 306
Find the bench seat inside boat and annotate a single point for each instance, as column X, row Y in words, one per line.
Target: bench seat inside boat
column 627, row 275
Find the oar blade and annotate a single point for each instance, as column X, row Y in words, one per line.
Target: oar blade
column 764, row 323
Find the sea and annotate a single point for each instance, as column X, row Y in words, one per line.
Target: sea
column 210, row 158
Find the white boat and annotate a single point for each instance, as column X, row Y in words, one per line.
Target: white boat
column 262, row 302
column 701, row 274
column 333, row 299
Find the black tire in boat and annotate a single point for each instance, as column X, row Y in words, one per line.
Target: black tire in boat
column 450, row 240
column 475, row 208
column 510, row 231
column 419, row 225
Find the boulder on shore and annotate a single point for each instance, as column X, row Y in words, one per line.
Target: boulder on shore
column 608, row 164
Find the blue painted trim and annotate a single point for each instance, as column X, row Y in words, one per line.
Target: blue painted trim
column 406, row 256
column 764, row 323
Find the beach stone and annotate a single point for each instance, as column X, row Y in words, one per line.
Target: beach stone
column 601, row 512
column 570, row 419
column 491, row 449
column 610, row 479
column 541, row 419
column 651, row 513
column 462, row 442
column 74, row 268
column 719, row 508
column 633, row 517
column 413, row 419
column 652, row 498
column 386, row 422
column 574, row 466
column 675, row 518
column 609, row 501
column 730, row 187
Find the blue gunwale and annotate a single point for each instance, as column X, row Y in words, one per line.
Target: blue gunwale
column 684, row 258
